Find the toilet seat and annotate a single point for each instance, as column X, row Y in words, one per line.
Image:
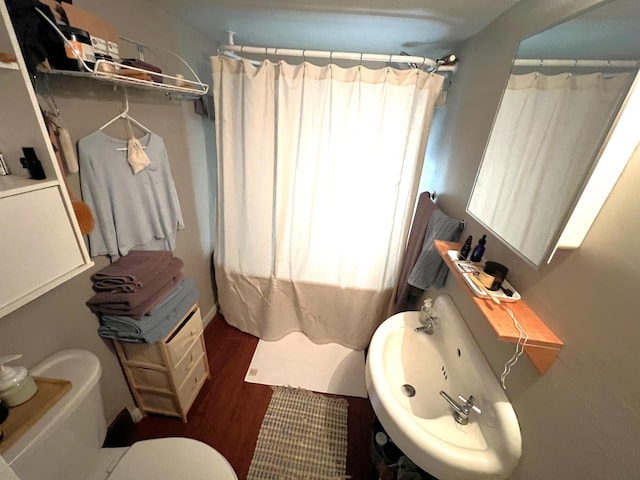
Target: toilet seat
column 172, row 458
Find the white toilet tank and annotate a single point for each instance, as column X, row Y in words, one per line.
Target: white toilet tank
column 66, row 442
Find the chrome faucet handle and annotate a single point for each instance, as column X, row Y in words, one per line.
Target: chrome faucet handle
column 427, row 328
column 469, row 404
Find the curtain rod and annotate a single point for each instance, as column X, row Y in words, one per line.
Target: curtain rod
column 544, row 62
column 431, row 64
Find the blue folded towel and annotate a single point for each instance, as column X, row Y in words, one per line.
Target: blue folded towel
column 154, row 327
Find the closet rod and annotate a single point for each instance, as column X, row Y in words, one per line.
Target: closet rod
column 546, row 62
column 358, row 57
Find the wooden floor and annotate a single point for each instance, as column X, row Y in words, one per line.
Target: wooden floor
column 228, row 411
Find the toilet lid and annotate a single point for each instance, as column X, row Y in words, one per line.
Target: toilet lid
column 172, row 459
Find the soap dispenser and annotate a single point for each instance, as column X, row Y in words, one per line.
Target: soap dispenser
column 16, row 385
column 476, row 256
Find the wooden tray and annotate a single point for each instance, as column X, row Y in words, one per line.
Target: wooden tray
column 23, row 417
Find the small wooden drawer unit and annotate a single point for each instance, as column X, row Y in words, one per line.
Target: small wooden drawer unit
column 165, row 377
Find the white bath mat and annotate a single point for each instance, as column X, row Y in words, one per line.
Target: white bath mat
column 295, row 361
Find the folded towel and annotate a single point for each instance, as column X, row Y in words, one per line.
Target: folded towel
column 430, row 269
column 147, row 307
column 154, row 327
column 129, row 300
column 134, row 269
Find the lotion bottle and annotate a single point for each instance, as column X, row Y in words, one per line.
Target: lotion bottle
column 476, row 256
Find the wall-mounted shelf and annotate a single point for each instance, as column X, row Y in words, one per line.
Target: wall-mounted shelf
column 9, row 66
column 543, row 345
column 15, row 185
column 110, row 72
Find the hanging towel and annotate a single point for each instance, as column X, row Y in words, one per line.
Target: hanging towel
column 430, row 270
column 421, row 217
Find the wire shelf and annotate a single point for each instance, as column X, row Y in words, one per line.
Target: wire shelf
column 174, row 85
column 113, row 72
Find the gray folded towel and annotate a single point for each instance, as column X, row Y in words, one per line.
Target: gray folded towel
column 128, row 300
column 147, row 307
column 430, row 269
column 131, row 272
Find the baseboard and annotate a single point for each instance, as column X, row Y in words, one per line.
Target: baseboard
column 209, row 315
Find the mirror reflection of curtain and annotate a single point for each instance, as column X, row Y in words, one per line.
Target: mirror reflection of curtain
column 541, row 146
column 317, row 178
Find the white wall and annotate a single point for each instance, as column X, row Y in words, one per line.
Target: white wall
column 60, row 319
column 582, row 419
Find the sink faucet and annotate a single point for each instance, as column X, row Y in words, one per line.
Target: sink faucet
column 426, row 328
column 428, row 316
column 461, row 412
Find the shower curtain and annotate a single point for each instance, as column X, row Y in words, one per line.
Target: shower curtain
column 546, row 131
column 316, row 184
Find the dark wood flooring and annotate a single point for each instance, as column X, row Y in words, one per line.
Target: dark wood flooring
column 228, row 411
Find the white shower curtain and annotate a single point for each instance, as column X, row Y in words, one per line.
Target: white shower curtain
column 316, row 182
column 546, row 131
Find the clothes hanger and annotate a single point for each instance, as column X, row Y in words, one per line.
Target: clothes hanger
column 125, row 116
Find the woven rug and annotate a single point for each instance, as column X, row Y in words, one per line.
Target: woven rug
column 303, row 437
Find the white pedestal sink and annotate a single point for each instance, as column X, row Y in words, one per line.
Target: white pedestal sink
column 423, row 425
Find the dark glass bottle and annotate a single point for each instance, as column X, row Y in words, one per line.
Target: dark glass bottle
column 466, row 248
column 476, row 256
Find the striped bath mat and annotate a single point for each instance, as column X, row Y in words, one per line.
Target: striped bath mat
column 303, row 437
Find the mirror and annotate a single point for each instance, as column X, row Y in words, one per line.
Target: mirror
column 565, row 89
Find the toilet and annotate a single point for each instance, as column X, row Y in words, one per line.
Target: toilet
column 66, row 443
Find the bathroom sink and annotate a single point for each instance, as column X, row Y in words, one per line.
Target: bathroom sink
column 406, row 373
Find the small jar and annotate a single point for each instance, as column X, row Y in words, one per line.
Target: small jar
column 16, row 385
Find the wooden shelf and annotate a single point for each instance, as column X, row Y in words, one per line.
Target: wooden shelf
column 23, row 417
column 542, row 346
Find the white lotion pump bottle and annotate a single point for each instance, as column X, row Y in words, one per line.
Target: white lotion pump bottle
column 16, row 385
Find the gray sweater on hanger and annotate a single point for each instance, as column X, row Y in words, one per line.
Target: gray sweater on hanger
column 138, row 211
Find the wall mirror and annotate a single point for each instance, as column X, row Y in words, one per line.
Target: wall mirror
column 565, row 89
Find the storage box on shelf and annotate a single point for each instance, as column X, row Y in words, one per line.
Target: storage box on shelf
column 165, row 377
column 542, row 347
column 104, row 38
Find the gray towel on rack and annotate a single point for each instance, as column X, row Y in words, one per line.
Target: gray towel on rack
column 430, row 270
